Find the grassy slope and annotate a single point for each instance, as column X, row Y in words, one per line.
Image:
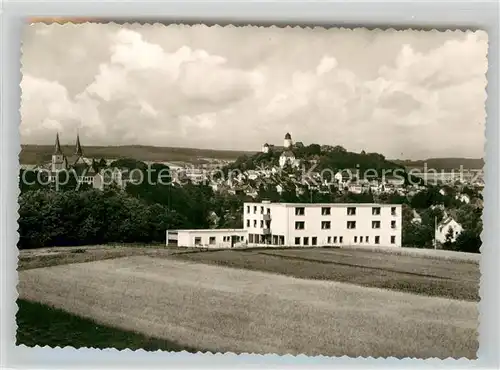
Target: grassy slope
column 45, row 257
column 223, row 309
column 423, row 276
column 433, row 277
column 42, row 325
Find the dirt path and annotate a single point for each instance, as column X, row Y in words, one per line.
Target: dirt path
column 226, row 309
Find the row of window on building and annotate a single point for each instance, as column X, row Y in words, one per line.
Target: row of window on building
column 313, row 240
column 262, row 239
column 261, row 210
column 325, row 211
column 327, row 225
column 340, row 240
column 261, row 223
column 351, row 211
column 213, row 240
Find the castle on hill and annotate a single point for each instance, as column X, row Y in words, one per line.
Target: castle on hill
column 287, row 156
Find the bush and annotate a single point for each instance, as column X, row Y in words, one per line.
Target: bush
column 467, row 241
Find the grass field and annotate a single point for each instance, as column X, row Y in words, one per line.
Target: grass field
column 42, row 325
column 427, row 276
column 46, row 257
column 224, row 309
column 432, row 277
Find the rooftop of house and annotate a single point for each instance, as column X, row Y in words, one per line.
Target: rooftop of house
column 447, row 220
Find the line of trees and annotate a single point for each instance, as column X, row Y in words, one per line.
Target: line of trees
column 421, row 234
column 52, row 218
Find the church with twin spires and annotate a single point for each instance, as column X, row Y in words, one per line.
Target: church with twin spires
column 61, row 161
column 76, row 161
column 86, row 170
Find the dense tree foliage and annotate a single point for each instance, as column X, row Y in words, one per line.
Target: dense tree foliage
column 48, row 217
column 467, row 241
column 70, row 215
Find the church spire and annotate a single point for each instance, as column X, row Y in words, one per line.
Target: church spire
column 78, row 150
column 57, row 147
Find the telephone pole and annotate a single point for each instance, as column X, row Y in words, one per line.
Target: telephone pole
column 435, row 228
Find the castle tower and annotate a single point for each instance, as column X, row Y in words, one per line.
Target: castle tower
column 288, row 141
column 58, row 160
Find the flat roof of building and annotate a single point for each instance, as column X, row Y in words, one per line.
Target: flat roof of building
column 207, row 230
column 327, row 204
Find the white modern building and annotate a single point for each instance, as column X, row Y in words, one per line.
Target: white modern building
column 327, row 224
column 207, row 238
column 303, row 225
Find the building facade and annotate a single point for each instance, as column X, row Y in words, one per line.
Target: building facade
column 61, row 162
column 208, row 238
column 328, row 224
column 448, row 228
column 85, row 170
column 302, row 225
column 287, row 157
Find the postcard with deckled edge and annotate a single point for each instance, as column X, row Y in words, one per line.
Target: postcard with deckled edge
column 251, row 189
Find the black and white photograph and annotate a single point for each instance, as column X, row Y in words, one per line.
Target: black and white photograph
column 251, row 189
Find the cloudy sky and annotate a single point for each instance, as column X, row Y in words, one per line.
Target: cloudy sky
column 404, row 94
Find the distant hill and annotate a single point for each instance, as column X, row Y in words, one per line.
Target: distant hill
column 444, row 163
column 37, row 154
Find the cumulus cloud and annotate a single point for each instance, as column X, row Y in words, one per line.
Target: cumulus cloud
column 405, row 94
column 45, row 106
